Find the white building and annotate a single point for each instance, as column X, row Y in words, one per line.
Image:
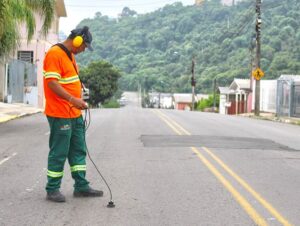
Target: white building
column 238, row 98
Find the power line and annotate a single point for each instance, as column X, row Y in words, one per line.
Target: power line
column 245, row 18
column 272, row 4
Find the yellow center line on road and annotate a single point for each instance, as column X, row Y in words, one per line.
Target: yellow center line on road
column 185, row 132
column 168, row 123
column 242, row 201
column 256, row 195
column 259, row 220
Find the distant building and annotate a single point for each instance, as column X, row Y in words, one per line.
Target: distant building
column 237, row 98
column 183, row 101
column 161, row 100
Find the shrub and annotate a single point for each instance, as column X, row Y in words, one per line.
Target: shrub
column 111, row 104
column 207, row 103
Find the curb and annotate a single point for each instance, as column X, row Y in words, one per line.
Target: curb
column 7, row 118
column 292, row 121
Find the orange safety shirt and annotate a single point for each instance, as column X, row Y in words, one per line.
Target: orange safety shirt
column 58, row 66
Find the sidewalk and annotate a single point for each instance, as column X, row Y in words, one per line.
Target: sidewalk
column 273, row 117
column 12, row 111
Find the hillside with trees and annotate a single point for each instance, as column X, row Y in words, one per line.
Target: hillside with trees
column 155, row 50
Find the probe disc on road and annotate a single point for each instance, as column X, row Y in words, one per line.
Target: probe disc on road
column 111, row 204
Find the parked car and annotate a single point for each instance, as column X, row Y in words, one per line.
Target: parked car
column 122, row 101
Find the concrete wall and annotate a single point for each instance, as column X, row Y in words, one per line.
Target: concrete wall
column 222, row 104
column 268, row 90
column 2, row 82
column 31, row 96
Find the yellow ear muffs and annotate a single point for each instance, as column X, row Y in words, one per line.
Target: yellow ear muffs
column 77, row 41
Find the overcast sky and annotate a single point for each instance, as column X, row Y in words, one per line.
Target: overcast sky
column 78, row 10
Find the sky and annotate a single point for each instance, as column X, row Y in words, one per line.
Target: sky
column 77, row 10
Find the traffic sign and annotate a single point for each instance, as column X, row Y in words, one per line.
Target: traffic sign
column 258, row 73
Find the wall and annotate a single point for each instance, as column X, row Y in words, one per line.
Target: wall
column 268, row 89
column 2, row 82
column 222, row 104
column 31, row 96
column 166, row 102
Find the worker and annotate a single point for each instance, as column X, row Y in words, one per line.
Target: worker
column 62, row 88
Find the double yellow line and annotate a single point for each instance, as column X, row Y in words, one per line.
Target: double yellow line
column 256, row 217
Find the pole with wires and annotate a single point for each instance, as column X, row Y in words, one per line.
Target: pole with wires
column 257, row 82
column 193, row 83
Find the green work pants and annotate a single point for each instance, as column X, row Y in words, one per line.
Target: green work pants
column 67, row 140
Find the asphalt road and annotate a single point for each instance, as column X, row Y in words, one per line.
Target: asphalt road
column 164, row 167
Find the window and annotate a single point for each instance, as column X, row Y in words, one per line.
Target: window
column 26, row 56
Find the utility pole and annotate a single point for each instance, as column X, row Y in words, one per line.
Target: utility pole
column 193, row 82
column 215, row 87
column 257, row 83
column 252, row 62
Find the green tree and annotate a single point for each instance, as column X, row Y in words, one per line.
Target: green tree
column 126, row 12
column 12, row 12
column 160, row 45
column 102, row 80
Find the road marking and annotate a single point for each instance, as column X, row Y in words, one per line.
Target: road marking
column 175, row 123
column 256, row 195
column 238, row 197
column 169, row 124
column 7, row 158
column 248, row 208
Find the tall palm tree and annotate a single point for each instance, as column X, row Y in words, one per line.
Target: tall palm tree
column 13, row 12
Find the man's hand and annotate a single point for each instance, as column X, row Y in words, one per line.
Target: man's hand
column 60, row 91
column 78, row 103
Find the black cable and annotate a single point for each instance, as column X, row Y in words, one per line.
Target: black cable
column 87, row 123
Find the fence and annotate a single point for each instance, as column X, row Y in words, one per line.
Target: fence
column 288, row 96
column 20, row 75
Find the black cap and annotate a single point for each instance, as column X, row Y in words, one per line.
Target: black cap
column 86, row 35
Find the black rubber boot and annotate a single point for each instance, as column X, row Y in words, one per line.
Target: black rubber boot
column 56, row 196
column 88, row 193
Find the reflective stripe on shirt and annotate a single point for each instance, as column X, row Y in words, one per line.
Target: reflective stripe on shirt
column 51, row 74
column 69, row 80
